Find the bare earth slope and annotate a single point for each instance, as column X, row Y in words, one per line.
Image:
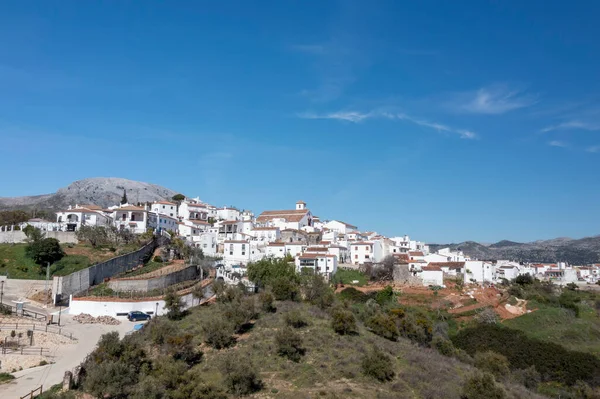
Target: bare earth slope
column 103, row 191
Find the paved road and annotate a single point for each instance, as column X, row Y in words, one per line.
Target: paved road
column 67, row 358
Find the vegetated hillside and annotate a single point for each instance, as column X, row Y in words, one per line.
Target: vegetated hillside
column 102, row 191
column 171, row 361
column 575, row 251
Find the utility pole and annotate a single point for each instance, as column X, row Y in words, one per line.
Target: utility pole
column 47, row 280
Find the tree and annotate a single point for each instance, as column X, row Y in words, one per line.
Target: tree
column 492, row 362
column 178, row 197
column 218, row 332
column 240, row 375
column 264, row 271
column 378, row 365
column 198, row 292
column 343, row 322
column 482, row 386
column 45, row 251
column 124, row 197
column 95, row 235
column 289, row 344
column 111, row 379
column 33, row 234
column 317, row 290
column 383, row 325
column 174, row 305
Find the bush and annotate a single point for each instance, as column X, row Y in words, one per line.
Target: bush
column 417, row 327
column 317, row 290
column 267, row 302
column 289, row 344
column 553, row 361
column 487, row 316
column 351, row 294
column 110, row 379
column 4, row 377
column 385, row 295
column 524, row 279
column 240, row 313
column 285, row 289
column 218, row 332
column 493, row 363
column 343, row 322
column 240, row 376
column 378, row 365
column 174, row 305
column 182, row 348
column 158, row 259
column 482, row 386
column 443, row 346
column 528, row 377
column 295, row 318
column 383, row 325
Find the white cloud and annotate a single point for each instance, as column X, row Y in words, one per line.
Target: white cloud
column 574, row 124
column 557, row 143
column 355, row 117
column 492, row 100
column 594, row 149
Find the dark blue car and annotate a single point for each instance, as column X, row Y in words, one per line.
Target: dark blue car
column 136, row 315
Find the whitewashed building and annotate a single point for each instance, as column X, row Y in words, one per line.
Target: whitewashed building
column 162, row 222
column 294, row 219
column 165, row 208
column 189, row 210
column 340, row 227
column 324, row 264
column 267, row 234
column 133, row 218
column 365, row 252
column 73, row 218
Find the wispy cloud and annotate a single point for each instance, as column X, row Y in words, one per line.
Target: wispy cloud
column 356, row 117
column 574, row 124
column 492, row 100
column 557, row 143
column 594, row 149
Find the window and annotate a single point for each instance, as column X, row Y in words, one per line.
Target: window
column 204, row 245
column 366, row 256
column 356, row 248
column 355, row 256
column 163, row 207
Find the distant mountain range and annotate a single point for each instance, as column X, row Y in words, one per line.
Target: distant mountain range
column 102, row 191
column 575, row 251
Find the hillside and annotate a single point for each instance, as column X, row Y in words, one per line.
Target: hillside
column 575, row 251
column 102, row 191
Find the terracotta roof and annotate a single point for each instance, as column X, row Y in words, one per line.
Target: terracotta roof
column 315, row 256
column 451, row 265
column 362, row 243
column 294, row 215
column 265, row 228
column 129, row 208
column 197, row 205
column 316, row 249
column 79, row 210
column 236, row 242
column 431, row 269
column 164, row 203
column 230, row 222
column 276, row 244
column 295, row 243
column 301, row 202
column 416, row 253
column 91, row 207
column 199, row 222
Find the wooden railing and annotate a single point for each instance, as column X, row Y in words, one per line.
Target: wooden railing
column 36, row 327
column 34, row 393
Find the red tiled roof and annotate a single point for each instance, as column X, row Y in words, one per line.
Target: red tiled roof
column 416, row 253
column 294, row 215
column 164, row 203
column 265, row 228
column 451, row 265
column 431, row 269
column 276, row 244
column 130, row 208
column 236, row 242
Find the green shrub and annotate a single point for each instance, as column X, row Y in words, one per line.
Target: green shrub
column 289, row 344
column 482, row 386
column 385, row 295
column 443, row 346
column 182, row 348
column 5, row 377
column 553, row 361
column 295, row 318
column 240, row 376
column 267, row 302
column 378, row 365
column 524, row 279
column 528, row 377
column 110, row 379
column 417, row 327
column 351, row 294
column 493, row 363
column 285, row 289
column 343, row 322
column 218, row 332
column 158, row 259
column 569, row 300
column 383, row 325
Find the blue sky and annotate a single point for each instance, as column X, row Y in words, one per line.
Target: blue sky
column 444, row 120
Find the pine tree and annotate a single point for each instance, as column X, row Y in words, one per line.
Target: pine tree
column 124, row 198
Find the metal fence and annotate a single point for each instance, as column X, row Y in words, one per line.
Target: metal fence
column 25, row 350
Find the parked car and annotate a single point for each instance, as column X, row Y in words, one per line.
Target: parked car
column 136, row 315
